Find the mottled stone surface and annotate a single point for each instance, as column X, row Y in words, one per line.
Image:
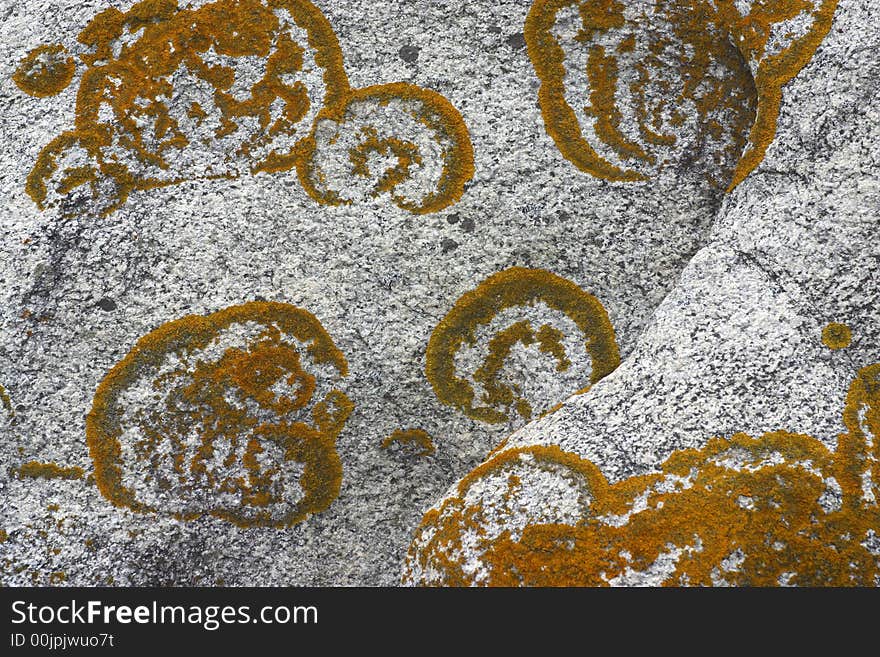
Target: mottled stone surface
column 737, row 345
column 729, row 342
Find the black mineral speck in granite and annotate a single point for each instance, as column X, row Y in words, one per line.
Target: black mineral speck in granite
column 409, row 54
column 516, row 41
column 448, row 245
column 107, row 304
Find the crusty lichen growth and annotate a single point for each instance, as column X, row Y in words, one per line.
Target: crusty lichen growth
column 144, row 65
column 836, row 335
column 440, row 546
column 58, row 577
column 437, row 115
column 155, row 126
column 418, row 437
column 242, row 402
column 489, row 374
column 38, row 470
column 510, row 288
column 773, row 70
column 781, row 509
column 6, row 402
column 701, row 80
column 407, row 154
column 45, row 71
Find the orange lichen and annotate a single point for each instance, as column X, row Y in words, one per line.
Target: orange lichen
column 137, row 128
column 603, row 105
column 499, row 393
column 781, row 509
column 701, row 78
column 222, row 431
column 45, row 71
column 773, row 70
column 836, row 335
column 418, row 437
column 6, row 402
column 37, row 470
column 511, row 288
column 58, row 577
column 441, row 546
column 407, row 154
column 164, row 53
column 429, row 109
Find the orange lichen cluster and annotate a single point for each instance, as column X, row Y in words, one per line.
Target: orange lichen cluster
column 836, row 336
column 686, row 80
column 139, row 127
column 781, row 509
column 161, row 50
column 772, row 70
column 37, row 470
column 511, row 288
column 436, row 115
column 237, row 406
column 6, row 402
column 45, row 71
column 498, row 393
column 441, row 545
column 417, row 437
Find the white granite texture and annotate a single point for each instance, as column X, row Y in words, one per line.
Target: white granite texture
column 736, row 345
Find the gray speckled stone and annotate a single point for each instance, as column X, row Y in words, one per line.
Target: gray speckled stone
column 736, row 345
column 78, row 293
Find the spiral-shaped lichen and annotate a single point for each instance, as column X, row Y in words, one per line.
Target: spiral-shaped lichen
column 233, row 414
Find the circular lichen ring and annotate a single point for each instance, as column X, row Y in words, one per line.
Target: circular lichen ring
column 234, row 414
column 330, row 168
column 514, row 287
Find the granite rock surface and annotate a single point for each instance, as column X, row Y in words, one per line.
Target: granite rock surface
column 717, row 300
column 736, row 347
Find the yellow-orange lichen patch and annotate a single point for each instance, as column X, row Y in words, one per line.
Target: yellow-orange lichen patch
column 445, row 535
column 45, row 71
column 629, row 88
column 233, row 414
column 778, row 510
column 396, row 139
column 518, row 289
column 418, row 437
column 6, row 402
column 776, row 58
column 170, row 95
column 38, row 470
column 836, row 335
